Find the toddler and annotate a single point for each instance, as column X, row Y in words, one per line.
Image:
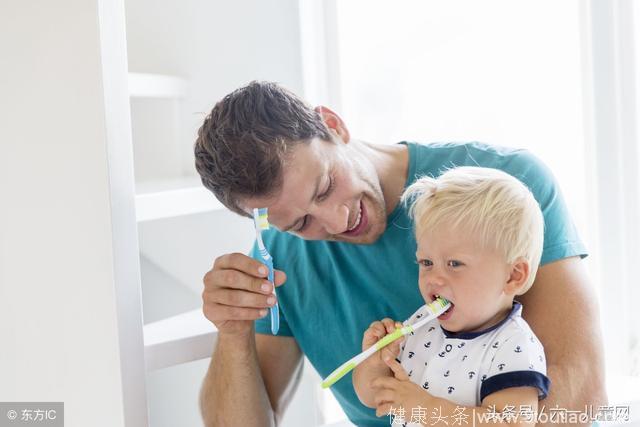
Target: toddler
column 479, row 236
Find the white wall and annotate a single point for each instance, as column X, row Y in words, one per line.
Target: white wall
column 58, row 268
column 216, row 47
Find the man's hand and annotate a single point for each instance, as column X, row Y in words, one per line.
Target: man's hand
column 236, row 292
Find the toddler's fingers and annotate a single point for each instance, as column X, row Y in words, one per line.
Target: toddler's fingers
column 379, row 327
column 371, row 337
column 397, row 369
column 386, row 353
column 394, row 347
column 368, row 335
column 389, row 325
column 377, row 331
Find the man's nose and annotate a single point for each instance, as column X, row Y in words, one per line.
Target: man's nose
column 336, row 220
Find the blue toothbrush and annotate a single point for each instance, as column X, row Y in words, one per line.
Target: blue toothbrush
column 260, row 218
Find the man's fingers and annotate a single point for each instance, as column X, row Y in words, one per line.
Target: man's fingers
column 234, row 279
column 239, row 298
column 218, row 312
column 279, row 277
column 241, row 262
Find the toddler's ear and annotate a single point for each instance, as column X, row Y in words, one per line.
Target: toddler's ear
column 518, row 276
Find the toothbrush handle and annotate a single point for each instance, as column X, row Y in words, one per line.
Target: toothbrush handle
column 274, row 311
column 345, row 368
column 350, row 364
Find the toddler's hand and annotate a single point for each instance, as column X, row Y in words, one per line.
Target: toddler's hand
column 378, row 330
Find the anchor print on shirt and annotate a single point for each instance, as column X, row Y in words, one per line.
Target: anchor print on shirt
column 495, row 344
column 432, row 328
column 501, row 366
column 411, row 353
column 447, row 349
column 450, row 389
column 427, row 345
column 425, row 385
column 464, row 357
column 446, row 374
column 471, row 374
column 461, row 345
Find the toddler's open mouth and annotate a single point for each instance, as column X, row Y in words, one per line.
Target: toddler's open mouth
column 446, row 314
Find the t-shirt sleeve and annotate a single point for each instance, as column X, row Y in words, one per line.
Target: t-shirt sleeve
column 561, row 238
column 263, row 325
column 518, row 361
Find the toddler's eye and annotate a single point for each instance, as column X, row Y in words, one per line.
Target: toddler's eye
column 425, row 263
column 454, row 263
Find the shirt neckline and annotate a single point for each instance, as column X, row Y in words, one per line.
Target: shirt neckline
column 516, row 307
column 410, row 177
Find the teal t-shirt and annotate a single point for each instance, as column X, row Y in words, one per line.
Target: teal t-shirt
column 334, row 290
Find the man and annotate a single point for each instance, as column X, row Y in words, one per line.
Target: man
column 346, row 249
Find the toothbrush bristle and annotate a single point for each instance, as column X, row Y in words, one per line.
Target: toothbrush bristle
column 437, row 304
column 260, row 217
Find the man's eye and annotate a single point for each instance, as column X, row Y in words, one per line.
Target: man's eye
column 327, row 193
column 454, row 263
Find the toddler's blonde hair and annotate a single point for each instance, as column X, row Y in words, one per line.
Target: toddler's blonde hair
column 489, row 203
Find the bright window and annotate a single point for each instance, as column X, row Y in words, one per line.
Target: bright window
column 511, row 73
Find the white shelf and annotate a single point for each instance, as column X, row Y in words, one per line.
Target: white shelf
column 156, row 86
column 179, row 339
column 172, row 198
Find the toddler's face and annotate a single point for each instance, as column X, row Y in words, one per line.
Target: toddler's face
column 453, row 265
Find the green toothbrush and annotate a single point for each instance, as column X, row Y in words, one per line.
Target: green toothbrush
column 437, row 307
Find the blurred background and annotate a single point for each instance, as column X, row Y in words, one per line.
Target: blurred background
column 557, row 78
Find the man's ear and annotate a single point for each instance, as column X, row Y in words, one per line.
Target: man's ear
column 333, row 122
column 518, row 275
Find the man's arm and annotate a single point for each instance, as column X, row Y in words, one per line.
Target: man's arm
column 250, row 380
column 281, row 364
column 562, row 309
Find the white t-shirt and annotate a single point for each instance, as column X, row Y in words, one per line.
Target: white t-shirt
column 465, row 367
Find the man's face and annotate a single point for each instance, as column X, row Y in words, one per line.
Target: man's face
column 330, row 191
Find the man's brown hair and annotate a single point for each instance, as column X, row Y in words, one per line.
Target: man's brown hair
column 243, row 143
